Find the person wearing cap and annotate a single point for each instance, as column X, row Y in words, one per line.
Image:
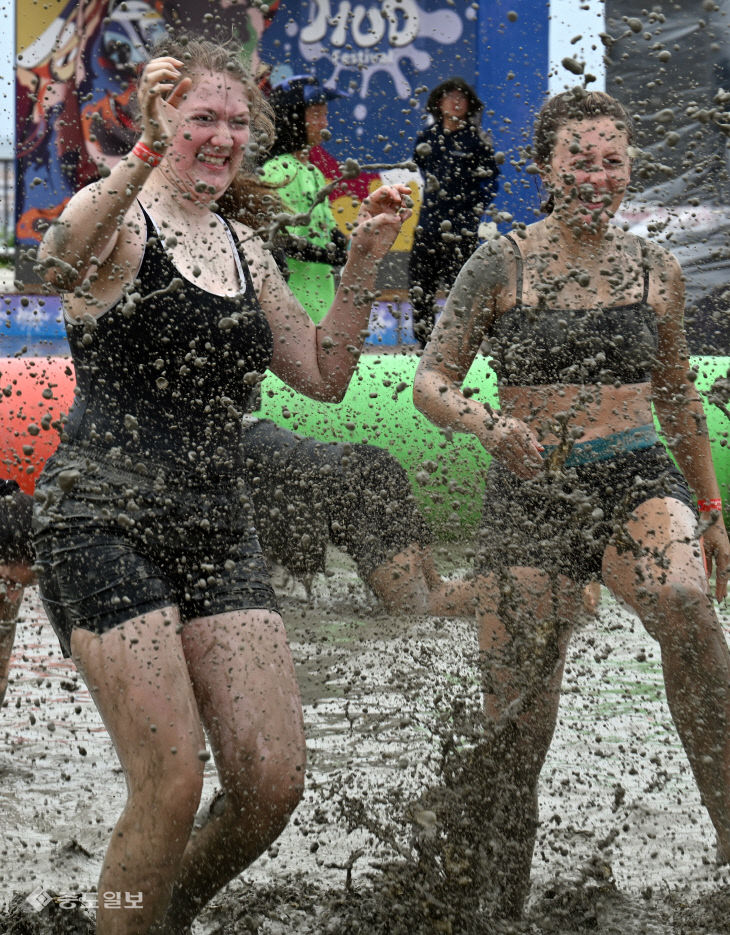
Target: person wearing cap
column 315, row 246
column 460, row 173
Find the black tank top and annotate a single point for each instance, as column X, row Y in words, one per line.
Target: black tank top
column 539, row 346
column 166, row 373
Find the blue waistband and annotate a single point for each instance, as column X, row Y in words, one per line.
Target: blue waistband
column 601, row 449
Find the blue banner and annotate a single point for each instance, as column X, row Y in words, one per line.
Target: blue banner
column 512, row 80
column 387, row 54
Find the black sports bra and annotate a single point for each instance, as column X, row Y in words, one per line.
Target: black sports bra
column 538, row 346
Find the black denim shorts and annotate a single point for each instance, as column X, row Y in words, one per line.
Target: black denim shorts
column 562, row 521
column 114, row 542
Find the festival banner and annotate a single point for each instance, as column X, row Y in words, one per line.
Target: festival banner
column 78, row 62
column 386, row 54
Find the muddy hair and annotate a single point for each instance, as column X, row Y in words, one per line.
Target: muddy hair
column 247, row 199
column 575, row 104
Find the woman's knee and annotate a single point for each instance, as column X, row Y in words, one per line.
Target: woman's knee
column 673, row 609
column 278, row 780
column 283, row 790
column 169, row 787
column 263, row 801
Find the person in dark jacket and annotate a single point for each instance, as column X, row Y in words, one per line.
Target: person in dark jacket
column 460, row 173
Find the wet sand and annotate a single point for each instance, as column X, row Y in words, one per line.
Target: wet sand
column 624, row 844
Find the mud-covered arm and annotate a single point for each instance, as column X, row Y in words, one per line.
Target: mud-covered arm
column 87, row 230
column 680, row 411
column 319, row 360
column 438, row 392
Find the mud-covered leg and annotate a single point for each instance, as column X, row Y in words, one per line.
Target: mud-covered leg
column 13, row 579
column 663, row 580
column 137, row 675
column 244, row 682
column 525, row 618
column 7, row 637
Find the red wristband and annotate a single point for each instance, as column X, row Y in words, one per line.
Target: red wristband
column 143, row 152
column 710, row 506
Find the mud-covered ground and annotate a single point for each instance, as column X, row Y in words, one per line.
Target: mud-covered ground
column 624, row 845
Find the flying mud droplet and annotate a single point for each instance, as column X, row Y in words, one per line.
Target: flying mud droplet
column 68, row 479
column 573, row 65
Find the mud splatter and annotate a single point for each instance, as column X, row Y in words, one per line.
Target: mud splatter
column 391, row 703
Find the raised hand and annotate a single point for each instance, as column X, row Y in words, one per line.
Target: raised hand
column 160, row 91
column 514, row 444
column 717, row 556
column 379, row 220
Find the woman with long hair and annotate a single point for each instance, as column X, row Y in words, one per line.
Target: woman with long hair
column 149, row 564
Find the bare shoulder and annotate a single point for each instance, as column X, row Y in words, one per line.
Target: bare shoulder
column 666, row 281
column 252, row 245
column 488, row 269
column 250, row 240
column 659, row 259
column 660, row 263
column 498, row 251
column 479, row 295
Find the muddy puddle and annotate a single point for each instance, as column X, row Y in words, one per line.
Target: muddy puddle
column 623, row 845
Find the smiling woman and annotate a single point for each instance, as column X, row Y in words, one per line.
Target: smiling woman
column 584, row 324
column 149, row 564
column 585, row 168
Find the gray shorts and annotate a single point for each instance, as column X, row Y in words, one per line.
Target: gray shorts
column 562, row 522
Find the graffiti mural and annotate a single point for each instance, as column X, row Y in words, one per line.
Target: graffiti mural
column 77, row 66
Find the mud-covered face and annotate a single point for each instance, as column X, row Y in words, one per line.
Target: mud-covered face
column 589, row 171
column 213, row 132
